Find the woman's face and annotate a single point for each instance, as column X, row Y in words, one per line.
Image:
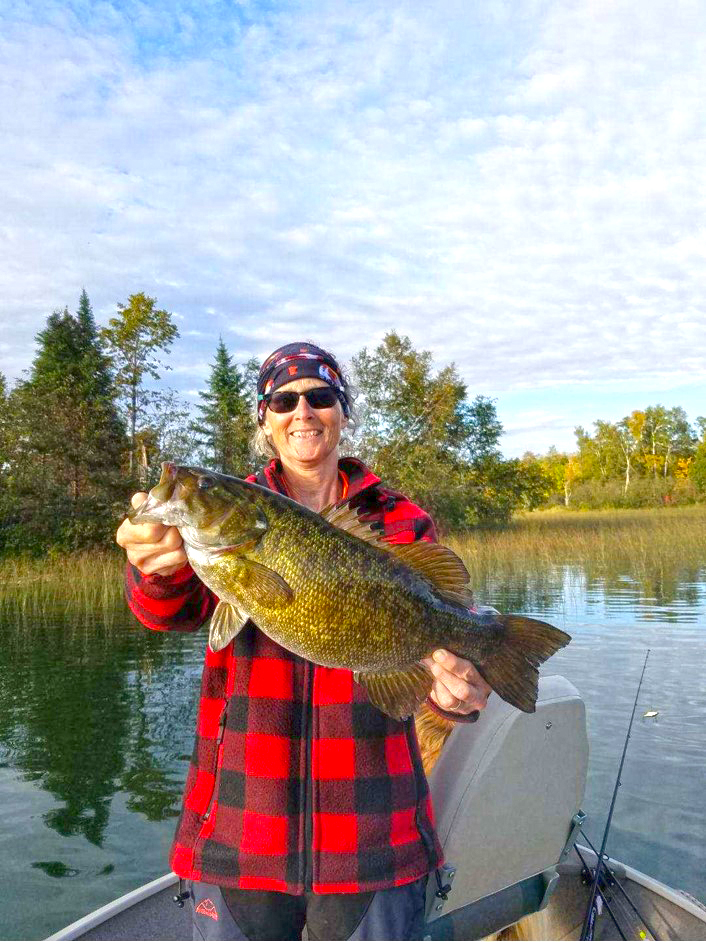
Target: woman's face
column 305, row 436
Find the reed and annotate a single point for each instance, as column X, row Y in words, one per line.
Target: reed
column 636, row 541
column 80, row 584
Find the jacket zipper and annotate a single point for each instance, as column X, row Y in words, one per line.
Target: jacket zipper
column 217, row 771
column 308, row 781
column 419, row 790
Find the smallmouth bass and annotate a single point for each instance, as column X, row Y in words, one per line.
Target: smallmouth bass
column 332, row 590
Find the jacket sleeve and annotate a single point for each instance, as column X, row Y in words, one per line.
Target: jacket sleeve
column 179, row 602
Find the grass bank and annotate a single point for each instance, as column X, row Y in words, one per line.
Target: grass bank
column 73, row 585
column 637, row 540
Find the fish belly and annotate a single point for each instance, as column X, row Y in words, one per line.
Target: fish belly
column 338, row 626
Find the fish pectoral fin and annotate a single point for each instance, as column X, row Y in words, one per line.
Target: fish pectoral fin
column 226, row 622
column 397, row 693
column 270, row 588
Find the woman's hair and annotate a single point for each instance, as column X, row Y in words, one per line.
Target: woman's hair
column 262, row 447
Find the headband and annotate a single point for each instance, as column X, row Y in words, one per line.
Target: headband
column 298, row 361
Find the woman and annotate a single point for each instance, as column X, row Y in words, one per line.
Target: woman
column 303, row 803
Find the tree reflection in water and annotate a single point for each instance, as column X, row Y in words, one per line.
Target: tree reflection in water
column 87, row 711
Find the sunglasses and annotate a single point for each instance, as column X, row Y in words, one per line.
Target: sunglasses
column 323, row 397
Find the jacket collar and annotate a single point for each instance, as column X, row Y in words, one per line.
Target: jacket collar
column 359, row 477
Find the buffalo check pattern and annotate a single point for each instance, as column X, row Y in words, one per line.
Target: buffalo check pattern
column 296, row 781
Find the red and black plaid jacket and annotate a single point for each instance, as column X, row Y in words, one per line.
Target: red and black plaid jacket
column 296, row 782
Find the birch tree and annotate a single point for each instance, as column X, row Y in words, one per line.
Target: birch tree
column 135, row 341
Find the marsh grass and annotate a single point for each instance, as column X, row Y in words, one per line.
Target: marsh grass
column 74, row 585
column 637, row 543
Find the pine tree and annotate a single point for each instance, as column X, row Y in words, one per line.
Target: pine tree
column 84, row 315
column 67, row 438
column 226, row 424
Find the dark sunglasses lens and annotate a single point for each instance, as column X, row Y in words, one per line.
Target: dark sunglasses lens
column 283, row 401
column 321, row 398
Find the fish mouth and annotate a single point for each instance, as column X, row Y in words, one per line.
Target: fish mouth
column 161, row 504
column 170, row 503
column 151, row 510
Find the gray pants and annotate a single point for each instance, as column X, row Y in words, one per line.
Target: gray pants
column 224, row 914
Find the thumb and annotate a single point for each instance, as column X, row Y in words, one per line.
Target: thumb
column 139, row 498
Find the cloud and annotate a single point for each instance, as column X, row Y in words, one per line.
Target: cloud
column 516, row 188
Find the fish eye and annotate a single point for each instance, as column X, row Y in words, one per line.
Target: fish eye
column 204, row 482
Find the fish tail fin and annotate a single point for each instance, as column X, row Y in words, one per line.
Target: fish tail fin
column 512, row 668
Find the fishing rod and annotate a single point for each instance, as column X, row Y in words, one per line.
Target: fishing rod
column 613, row 882
column 589, row 919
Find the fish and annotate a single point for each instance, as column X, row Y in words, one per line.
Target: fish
column 330, row 588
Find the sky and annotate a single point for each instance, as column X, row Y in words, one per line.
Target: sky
column 517, row 186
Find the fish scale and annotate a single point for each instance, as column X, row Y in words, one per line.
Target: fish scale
column 321, row 624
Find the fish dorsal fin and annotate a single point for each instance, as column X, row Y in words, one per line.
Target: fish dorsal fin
column 345, row 517
column 439, row 565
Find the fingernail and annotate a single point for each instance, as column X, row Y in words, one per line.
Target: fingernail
column 440, row 655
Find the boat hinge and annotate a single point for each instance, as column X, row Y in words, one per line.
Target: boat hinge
column 181, row 897
column 577, row 823
column 438, row 889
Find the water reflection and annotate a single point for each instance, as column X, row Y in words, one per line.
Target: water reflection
column 669, row 594
column 78, row 723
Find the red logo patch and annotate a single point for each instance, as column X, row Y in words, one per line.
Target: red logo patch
column 292, row 370
column 206, row 908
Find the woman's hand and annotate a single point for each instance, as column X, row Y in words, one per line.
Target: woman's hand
column 458, row 687
column 153, row 548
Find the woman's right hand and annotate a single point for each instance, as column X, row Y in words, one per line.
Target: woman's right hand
column 152, row 547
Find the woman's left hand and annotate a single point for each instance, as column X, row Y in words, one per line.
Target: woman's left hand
column 458, row 687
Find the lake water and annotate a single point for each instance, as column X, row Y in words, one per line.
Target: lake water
column 97, row 722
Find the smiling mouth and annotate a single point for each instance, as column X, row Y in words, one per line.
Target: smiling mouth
column 305, row 433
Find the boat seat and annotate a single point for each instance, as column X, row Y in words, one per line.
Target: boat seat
column 505, row 790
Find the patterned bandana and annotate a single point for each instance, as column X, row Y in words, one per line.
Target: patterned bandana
column 298, row 361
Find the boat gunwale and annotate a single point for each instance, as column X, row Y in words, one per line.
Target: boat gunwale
column 99, row 916
column 92, row 920
column 672, row 895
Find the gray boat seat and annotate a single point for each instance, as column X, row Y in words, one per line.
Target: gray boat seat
column 505, row 790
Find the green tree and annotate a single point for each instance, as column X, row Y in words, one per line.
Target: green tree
column 559, row 470
column 5, row 440
column 422, row 435
column 697, row 468
column 226, row 423
column 134, row 340
column 165, row 435
column 66, row 441
column 3, row 423
column 680, row 441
